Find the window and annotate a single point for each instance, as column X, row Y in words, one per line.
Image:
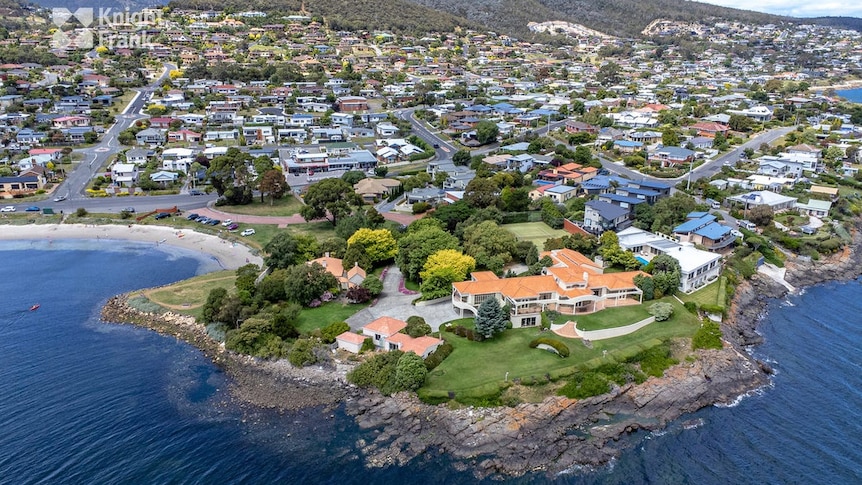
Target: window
column 528, row 322
column 479, row 299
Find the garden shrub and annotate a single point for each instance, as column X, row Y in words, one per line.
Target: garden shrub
column 367, row 345
column 302, row 352
column 561, row 348
column 334, row 329
column 691, row 307
column 378, row 371
column 713, row 309
column 438, row 356
column 655, row 360
column 416, row 327
column 708, row 336
column 585, row 384
column 661, row 311
column 421, row 207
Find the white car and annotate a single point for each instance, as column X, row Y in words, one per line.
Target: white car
column 247, row 232
column 60, row 198
column 227, row 222
column 8, row 208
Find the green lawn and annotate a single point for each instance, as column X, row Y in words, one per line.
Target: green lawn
column 613, row 317
column 711, row 294
column 535, row 232
column 476, row 369
column 286, row 206
column 313, row 318
column 188, row 296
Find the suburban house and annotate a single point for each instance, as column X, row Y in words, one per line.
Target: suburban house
column 334, row 266
column 150, row 136
column 124, row 174
column 385, row 333
column 710, row 128
column 668, row 156
column 573, row 285
column 21, row 184
column 814, row 207
column 701, row 228
column 352, row 103
column 777, row 202
column 187, row 136
column 600, row 216
column 371, row 189
column 697, row 267
column 561, row 193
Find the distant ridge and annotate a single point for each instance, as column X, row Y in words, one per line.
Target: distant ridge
column 622, row 18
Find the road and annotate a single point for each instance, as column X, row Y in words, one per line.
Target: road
column 708, row 168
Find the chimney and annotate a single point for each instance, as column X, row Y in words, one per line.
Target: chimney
column 587, row 278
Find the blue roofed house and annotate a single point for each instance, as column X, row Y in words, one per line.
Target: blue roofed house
column 561, row 193
column 628, row 146
column 701, row 228
column 602, row 216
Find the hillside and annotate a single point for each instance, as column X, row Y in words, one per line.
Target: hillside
column 624, row 18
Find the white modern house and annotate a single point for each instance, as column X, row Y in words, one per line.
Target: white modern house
column 697, row 267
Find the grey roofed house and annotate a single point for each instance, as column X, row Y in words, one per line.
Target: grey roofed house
column 430, row 195
column 602, row 216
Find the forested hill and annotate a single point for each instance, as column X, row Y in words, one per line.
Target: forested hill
column 395, row 15
column 624, row 18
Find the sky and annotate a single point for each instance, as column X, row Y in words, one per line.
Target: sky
column 797, row 8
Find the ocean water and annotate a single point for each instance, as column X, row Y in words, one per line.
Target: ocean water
column 86, row 402
column 854, row 95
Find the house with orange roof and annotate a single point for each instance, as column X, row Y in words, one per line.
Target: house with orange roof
column 386, row 334
column 346, row 279
column 573, row 285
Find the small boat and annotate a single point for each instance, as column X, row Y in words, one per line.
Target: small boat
column 34, row 307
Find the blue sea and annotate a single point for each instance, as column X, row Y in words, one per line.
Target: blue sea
column 84, row 402
column 854, row 95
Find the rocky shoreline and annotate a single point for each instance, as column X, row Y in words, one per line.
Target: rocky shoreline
column 552, row 436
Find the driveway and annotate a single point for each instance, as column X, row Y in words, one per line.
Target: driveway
column 392, row 303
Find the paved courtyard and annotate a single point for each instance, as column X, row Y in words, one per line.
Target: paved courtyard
column 392, row 303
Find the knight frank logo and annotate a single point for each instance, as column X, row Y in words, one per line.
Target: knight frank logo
column 86, row 28
column 81, row 37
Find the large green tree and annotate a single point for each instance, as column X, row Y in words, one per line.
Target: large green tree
column 305, row 282
column 416, row 246
column 491, row 245
column 286, row 249
column 481, row 192
column 230, row 176
column 330, row 198
column 410, row 372
column 665, row 272
column 668, row 212
column 378, row 244
column 272, row 183
column 487, row 132
column 491, row 319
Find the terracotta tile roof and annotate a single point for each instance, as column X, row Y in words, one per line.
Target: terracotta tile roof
column 351, row 337
column 399, row 338
column 420, row 345
column 484, row 276
column 386, row 326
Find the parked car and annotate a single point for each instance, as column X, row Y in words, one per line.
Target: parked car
column 192, row 216
column 213, row 222
column 227, row 222
column 32, row 208
column 8, row 208
column 201, row 219
column 196, row 192
column 233, row 227
column 129, row 209
column 247, row 232
column 162, row 215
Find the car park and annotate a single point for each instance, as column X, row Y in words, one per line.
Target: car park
column 247, row 232
column 233, row 227
column 162, row 215
column 8, row 208
column 32, row 208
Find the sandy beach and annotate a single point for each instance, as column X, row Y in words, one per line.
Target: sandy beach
column 229, row 255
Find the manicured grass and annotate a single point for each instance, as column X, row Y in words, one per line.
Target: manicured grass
column 535, row 232
column 334, row 311
column 711, row 294
column 612, row 317
column 286, row 206
column 188, row 296
column 476, row 369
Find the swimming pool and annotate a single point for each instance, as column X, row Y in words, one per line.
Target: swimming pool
column 642, row 260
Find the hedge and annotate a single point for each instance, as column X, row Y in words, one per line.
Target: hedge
column 438, row 356
column 560, row 347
